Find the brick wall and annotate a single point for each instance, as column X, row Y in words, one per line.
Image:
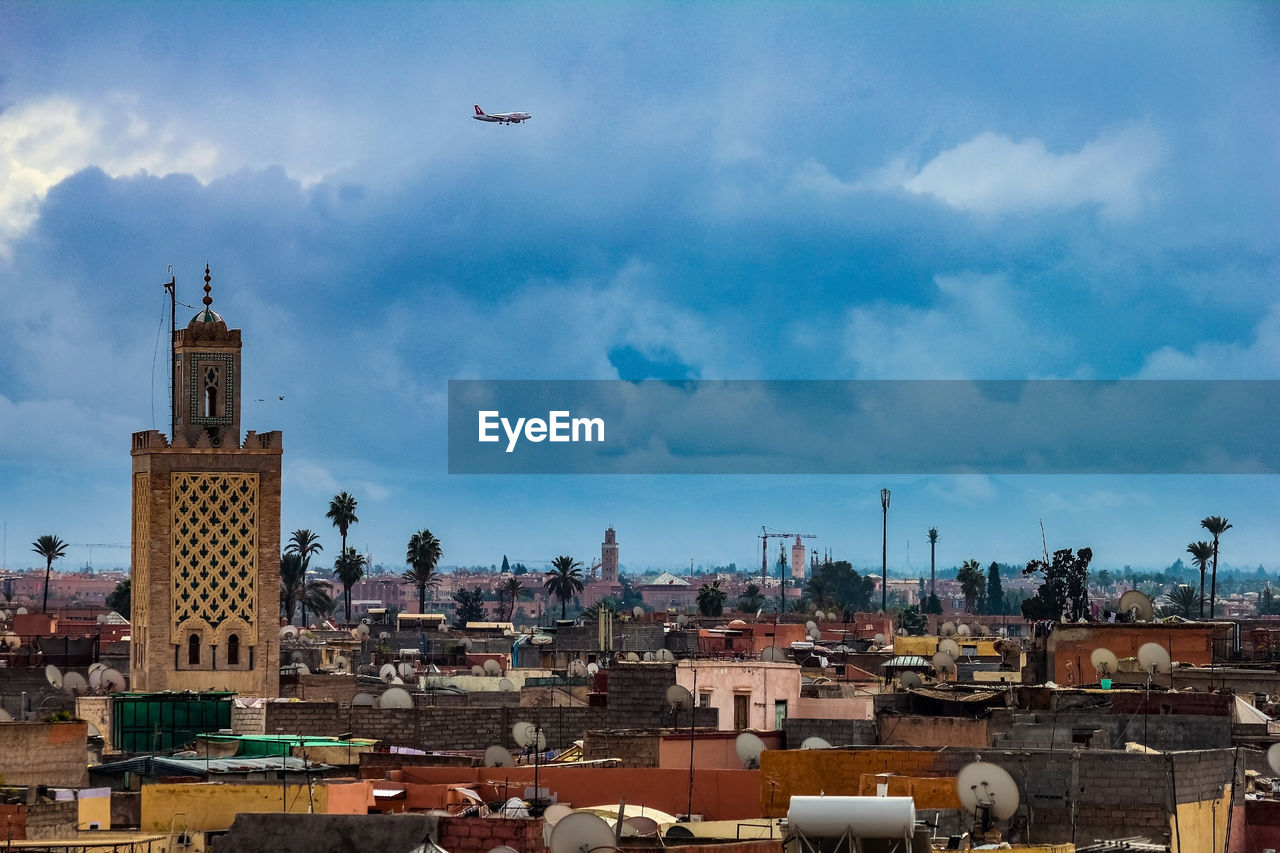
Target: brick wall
column 44, row 754
column 635, row 749
column 834, row 732
column 479, row 835
column 249, row 721
column 52, row 820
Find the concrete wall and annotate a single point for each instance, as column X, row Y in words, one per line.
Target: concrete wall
column 479, row 835
column 47, row 821
column 214, row 806
column 834, row 732
column 51, row 754
column 763, row 683
column 842, row 708
column 923, row 731
column 1069, row 646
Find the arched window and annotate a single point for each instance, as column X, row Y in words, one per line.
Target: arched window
column 233, row 650
column 211, row 401
column 193, row 650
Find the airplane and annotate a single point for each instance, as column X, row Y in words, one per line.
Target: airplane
column 501, row 118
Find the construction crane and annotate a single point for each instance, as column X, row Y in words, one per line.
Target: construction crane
column 765, row 535
column 92, row 545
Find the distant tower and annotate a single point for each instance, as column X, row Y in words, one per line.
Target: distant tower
column 797, row 560
column 609, row 557
column 206, row 530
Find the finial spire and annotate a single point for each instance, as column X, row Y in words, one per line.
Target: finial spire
column 208, row 300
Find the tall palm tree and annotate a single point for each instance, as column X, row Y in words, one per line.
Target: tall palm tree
column 1217, row 526
column 1201, row 553
column 348, row 569
column 564, row 580
column 972, row 579
column 51, row 548
column 422, row 555
column 933, row 562
column 293, row 579
column 342, row 512
column 304, row 543
column 711, row 599
column 752, row 599
column 1180, row 601
column 510, row 591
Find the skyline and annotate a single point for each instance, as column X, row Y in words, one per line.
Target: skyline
column 908, row 191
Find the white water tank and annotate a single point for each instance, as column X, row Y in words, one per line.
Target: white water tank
column 859, row 817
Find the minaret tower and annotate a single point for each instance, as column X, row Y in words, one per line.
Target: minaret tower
column 609, row 557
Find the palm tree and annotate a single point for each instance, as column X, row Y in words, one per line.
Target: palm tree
column 752, row 599
column 1180, row 601
column 422, row 555
column 510, row 590
column 304, row 543
column 933, row 562
column 1217, row 526
column 293, row 579
column 349, row 568
column 564, row 580
column 51, row 548
column 1201, row 553
column 711, row 599
column 342, row 512
column 972, row 580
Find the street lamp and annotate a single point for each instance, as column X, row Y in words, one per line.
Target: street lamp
column 884, row 553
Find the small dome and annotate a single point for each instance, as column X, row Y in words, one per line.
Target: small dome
column 207, row 315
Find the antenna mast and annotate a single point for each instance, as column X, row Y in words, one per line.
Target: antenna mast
column 1044, row 543
column 171, row 288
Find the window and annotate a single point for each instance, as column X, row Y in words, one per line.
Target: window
column 193, row 650
column 704, row 700
column 779, row 713
column 741, row 711
column 233, row 650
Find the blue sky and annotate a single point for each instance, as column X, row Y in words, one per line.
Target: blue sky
column 744, row 191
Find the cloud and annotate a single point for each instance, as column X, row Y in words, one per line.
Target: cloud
column 1258, row 359
column 992, row 174
column 43, row 142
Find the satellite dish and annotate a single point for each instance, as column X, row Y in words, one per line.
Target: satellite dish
column 775, row 654
column 910, row 680
column 113, row 681
column 498, row 756
column 811, row 626
column 396, row 697
column 95, row 678
column 879, row 640
column 943, row 663
column 384, row 636
column 5, row 716
column 593, row 668
column 296, row 657
column 749, row 747
column 362, row 629
column 341, row 662
column 405, row 669
column 632, row 657
column 464, row 643
column 11, row 641
column 664, row 655
column 524, row 733
column 74, row 683
column 21, row 611
column 963, row 630
column 555, row 813
column 1273, row 758
column 577, row 668
column 950, row 648
column 649, row 657
column 637, row 612
column 640, row 826
column 288, row 632
column 502, row 848
column 983, row 786
column 1154, row 658
column 301, row 669
column 477, row 669
column 815, row 742
column 492, row 667
column 53, row 675
column 581, row 832
column 948, row 628
column 682, row 620
column 1104, row 661
column 98, row 667
column 1137, row 604
column 364, row 700
column 396, row 680
column 387, row 672
column 679, row 696
column 506, row 684
column 819, row 616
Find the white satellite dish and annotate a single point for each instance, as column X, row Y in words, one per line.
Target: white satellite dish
column 11, row 641
column 301, row 669
column 506, row 684
column 341, row 662
column 405, row 669
column 648, row 657
column 577, row 668
column 819, row 616
column 879, row 639
column 682, row 620
column 296, row 657
column 396, row 680
column 1137, row 604
column 53, row 675
column 75, row 684
column 948, row 628
column 815, row 742
column 5, row 716
column 363, row 699
column 776, row 654
column 384, row 636
column 113, row 681
column 811, row 626
column 636, row 612
column 498, row 756
column 943, row 664
column 288, row 632
column 664, row 655
column 749, row 747
column 815, row 634
column 1104, row 661
column 910, row 680
column 581, row 832
column 387, row 672
column 396, row 697
column 988, row 788
column 950, row 648
column 21, row 611
column 593, row 668
column 362, row 629
column 640, row 826
column 95, row 678
column 1154, row 658
column 529, row 736
column 464, row 643
column 1273, row 758
column 963, row 630
column 679, row 697
column 98, row 667
column 492, row 667
column 555, row 813
column 632, row 657
column 477, row 669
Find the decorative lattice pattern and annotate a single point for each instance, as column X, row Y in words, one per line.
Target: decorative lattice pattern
column 196, row 385
column 215, row 549
column 139, row 585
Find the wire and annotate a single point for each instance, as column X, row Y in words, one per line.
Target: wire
column 155, row 352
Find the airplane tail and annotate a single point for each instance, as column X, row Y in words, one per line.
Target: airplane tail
column 479, row 111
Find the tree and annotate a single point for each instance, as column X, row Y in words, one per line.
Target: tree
column 933, row 605
column 933, row 563
column 711, row 599
column 468, row 606
column 342, row 512
column 564, row 580
column 752, row 599
column 1064, row 589
column 422, row 554
column 1217, row 526
column 349, row 568
column 304, row 543
column 506, row 567
column 120, row 599
column 995, row 589
column 1180, row 601
column 1201, row 553
column 511, row 590
column 972, row 582
column 293, row 579
column 51, row 548
column 1265, row 604
column 911, row 620
column 519, row 569
column 836, row 586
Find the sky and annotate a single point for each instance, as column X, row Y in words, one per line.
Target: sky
column 705, row 191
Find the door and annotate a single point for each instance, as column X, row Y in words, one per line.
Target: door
column 741, row 709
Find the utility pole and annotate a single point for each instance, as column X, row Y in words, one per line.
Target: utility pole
column 884, row 554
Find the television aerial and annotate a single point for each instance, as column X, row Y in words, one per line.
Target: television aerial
column 815, row 742
column 581, row 832
column 679, row 697
column 910, row 680
column 498, row 756
column 1154, row 658
column 987, row 792
column 1104, row 661
column 396, row 697
column 1137, row 604
column 53, row 675
column 363, row 699
column 749, row 747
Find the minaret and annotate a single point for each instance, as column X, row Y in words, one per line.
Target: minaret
column 206, row 530
column 609, row 557
column 797, row 560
